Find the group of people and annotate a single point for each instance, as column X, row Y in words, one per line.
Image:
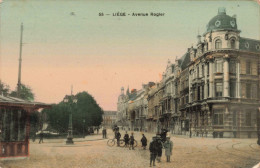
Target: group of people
column 156, row 147
column 159, row 142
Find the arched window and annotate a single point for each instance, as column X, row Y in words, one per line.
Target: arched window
column 233, row 43
column 218, row 44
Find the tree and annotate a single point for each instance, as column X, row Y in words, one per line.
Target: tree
column 4, row 89
column 25, row 93
column 85, row 113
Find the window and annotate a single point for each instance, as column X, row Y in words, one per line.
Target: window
column 219, row 88
column 207, row 68
column 198, row 72
column 232, row 89
column 218, row 44
column 248, row 91
column 218, row 66
column 254, row 91
column 187, row 99
column 248, row 118
column 202, row 92
column 198, row 93
column 248, row 67
column 208, row 89
column 202, row 67
column 232, row 66
column 233, row 43
column 218, row 117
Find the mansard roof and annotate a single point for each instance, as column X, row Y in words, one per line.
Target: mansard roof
column 249, row 44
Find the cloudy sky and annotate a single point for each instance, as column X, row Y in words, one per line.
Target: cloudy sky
column 68, row 43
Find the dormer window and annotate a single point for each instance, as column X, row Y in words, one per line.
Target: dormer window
column 233, row 43
column 218, row 44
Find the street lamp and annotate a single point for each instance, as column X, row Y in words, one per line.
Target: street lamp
column 83, row 128
column 70, row 100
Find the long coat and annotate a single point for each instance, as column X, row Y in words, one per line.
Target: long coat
column 168, row 145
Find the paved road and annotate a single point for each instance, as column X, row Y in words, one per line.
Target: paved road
column 93, row 152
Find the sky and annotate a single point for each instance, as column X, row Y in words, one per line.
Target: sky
column 67, row 43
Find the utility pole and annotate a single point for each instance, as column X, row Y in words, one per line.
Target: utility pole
column 20, row 63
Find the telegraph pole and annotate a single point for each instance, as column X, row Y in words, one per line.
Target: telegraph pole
column 20, row 63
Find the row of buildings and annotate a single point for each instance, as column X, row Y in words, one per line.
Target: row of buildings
column 211, row 91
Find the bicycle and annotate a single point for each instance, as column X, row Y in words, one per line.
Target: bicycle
column 112, row 142
column 122, row 143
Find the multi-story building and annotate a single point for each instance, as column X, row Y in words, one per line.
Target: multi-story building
column 213, row 89
column 109, row 118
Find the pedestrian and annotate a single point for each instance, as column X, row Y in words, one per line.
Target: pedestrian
column 144, row 142
column 163, row 134
column 159, row 149
column 153, row 151
column 41, row 137
column 126, row 139
column 168, row 145
column 97, row 130
column 118, row 136
column 34, row 136
column 103, row 132
column 132, row 141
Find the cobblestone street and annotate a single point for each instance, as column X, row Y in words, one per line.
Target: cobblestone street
column 93, row 152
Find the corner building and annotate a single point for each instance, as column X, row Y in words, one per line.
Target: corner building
column 223, row 82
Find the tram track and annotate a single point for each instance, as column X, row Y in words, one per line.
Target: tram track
column 236, row 155
column 254, row 149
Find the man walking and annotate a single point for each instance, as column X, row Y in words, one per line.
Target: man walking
column 132, row 141
column 126, row 139
column 41, row 137
column 144, row 142
column 168, row 145
column 153, row 151
column 104, row 132
column 159, row 149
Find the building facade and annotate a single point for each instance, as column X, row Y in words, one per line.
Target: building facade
column 109, row 118
column 213, row 89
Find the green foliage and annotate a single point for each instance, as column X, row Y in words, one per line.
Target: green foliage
column 25, row 93
column 86, row 109
column 4, row 89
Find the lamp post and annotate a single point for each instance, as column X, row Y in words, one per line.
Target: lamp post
column 83, row 128
column 70, row 100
